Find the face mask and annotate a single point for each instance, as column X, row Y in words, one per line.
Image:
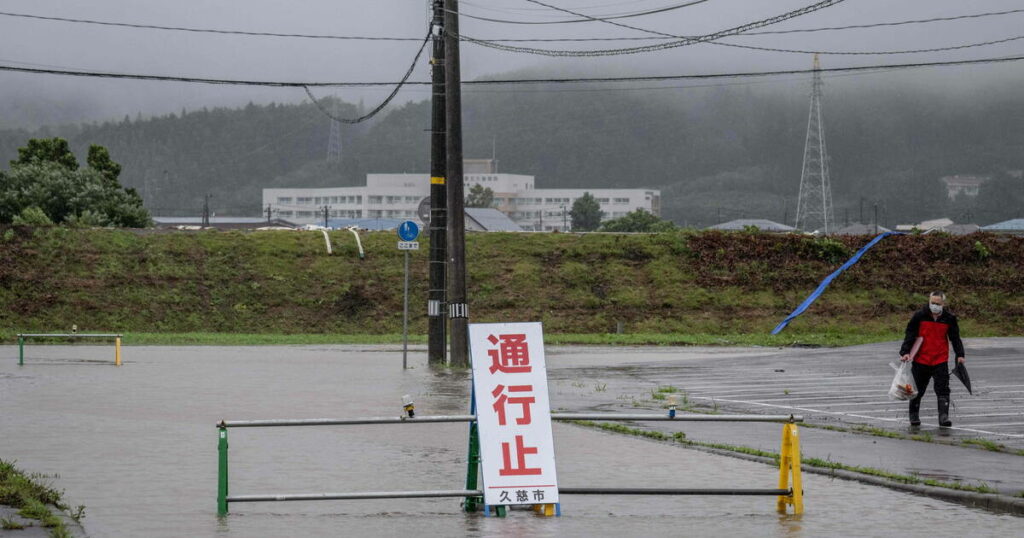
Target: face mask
column 935, row 308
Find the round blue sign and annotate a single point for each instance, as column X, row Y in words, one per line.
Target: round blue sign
column 408, row 231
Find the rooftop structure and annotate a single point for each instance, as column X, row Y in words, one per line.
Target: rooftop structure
column 763, row 225
column 1012, row 226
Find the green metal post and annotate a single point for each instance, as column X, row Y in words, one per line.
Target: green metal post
column 21, row 351
column 473, row 467
column 222, row 470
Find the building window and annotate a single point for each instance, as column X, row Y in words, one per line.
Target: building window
column 622, row 201
column 602, row 200
column 304, row 201
column 284, row 214
column 304, row 214
column 284, row 200
column 375, row 200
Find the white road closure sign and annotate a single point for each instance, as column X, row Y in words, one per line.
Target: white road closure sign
column 513, row 414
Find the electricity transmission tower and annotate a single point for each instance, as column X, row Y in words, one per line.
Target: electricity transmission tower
column 814, row 204
column 334, row 143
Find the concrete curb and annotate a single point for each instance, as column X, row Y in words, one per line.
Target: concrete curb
column 988, row 501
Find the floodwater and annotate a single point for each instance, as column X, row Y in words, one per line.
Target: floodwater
column 137, row 446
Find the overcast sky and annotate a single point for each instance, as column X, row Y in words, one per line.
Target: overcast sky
column 37, row 43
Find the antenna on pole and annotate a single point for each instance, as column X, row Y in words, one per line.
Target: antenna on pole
column 814, row 202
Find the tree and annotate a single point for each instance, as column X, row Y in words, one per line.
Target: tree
column 100, row 161
column 586, row 213
column 638, row 221
column 479, row 196
column 46, row 181
column 47, row 150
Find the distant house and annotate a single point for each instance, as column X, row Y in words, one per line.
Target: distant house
column 965, row 185
column 221, row 223
column 862, row 229
column 763, row 225
column 926, row 225
column 939, row 225
column 1012, row 226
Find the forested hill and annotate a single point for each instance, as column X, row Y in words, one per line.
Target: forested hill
column 716, row 153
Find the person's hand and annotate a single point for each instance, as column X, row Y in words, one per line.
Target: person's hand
column 960, row 360
column 906, row 358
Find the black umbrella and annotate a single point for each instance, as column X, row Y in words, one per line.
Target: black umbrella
column 960, row 371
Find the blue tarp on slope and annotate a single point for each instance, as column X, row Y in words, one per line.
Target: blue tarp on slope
column 828, row 280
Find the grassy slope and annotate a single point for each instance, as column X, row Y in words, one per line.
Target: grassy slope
column 713, row 286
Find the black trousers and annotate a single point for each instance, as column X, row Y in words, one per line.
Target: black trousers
column 922, row 374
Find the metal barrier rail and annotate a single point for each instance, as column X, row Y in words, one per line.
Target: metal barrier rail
column 471, row 418
column 479, row 493
column 23, row 336
column 789, row 460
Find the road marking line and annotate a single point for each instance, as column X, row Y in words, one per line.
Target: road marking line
column 810, row 410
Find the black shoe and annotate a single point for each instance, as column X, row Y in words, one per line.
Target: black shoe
column 915, row 419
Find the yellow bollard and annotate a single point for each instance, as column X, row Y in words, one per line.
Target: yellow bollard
column 544, row 509
column 117, row 351
column 789, row 466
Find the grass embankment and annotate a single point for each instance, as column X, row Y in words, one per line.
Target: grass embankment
column 673, row 288
column 33, row 499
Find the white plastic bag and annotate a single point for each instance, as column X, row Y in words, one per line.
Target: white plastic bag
column 903, row 386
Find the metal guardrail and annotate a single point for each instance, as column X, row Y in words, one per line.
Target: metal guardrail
column 789, row 461
column 23, row 336
column 471, row 418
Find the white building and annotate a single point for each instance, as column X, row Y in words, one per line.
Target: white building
column 399, row 196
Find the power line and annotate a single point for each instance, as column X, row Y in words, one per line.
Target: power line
column 684, row 41
column 654, row 78
column 587, row 18
column 705, row 40
column 202, row 30
column 881, row 24
column 495, row 40
column 386, row 100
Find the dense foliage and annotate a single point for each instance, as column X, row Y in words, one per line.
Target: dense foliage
column 586, row 213
column 46, row 186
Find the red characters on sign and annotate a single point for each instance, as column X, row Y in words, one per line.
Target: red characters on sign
column 512, row 355
column 521, row 453
column 502, row 399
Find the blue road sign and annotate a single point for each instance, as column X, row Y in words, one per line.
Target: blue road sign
column 408, row 231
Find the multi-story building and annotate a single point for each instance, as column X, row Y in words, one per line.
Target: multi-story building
column 399, row 196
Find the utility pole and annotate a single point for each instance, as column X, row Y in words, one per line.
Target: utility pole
column 436, row 330
column 326, row 207
column 458, row 309
column 565, row 225
column 206, row 210
column 268, row 213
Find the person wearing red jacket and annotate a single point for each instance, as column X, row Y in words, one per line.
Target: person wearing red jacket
column 937, row 327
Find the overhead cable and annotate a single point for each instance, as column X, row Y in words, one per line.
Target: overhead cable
column 652, row 78
column 586, row 19
column 383, row 103
column 498, row 40
column 203, row 30
column 807, row 51
column 683, row 40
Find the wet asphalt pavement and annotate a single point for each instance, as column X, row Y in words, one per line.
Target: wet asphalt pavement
column 136, row 444
column 843, row 387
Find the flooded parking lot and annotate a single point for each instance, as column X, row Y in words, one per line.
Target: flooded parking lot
column 137, row 446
